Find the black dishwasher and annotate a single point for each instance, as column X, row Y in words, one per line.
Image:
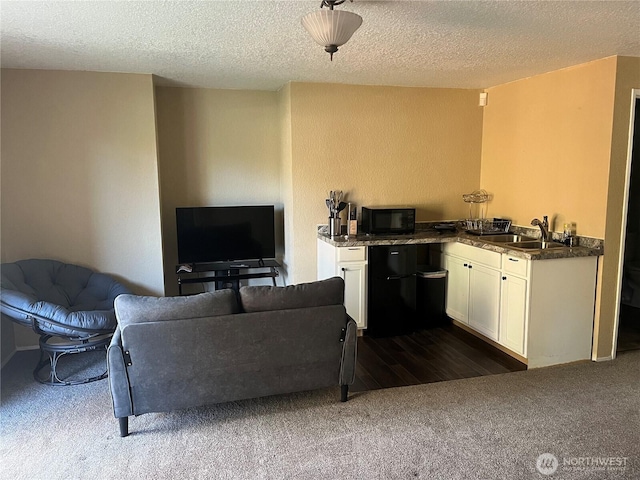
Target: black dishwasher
column 392, row 290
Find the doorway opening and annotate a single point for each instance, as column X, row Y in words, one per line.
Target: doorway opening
column 629, row 309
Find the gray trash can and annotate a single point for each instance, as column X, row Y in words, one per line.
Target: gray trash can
column 430, row 297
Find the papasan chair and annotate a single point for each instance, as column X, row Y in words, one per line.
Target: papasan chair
column 69, row 306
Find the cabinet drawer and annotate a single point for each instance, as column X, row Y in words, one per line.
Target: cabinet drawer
column 473, row 254
column 514, row 265
column 351, row 254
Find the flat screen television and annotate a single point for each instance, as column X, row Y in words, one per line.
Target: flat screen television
column 218, row 234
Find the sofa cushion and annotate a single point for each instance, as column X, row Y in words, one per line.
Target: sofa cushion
column 313, row 294
column 138, row 309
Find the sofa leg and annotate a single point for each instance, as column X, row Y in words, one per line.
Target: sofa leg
column 124, row 426
column 344, row 393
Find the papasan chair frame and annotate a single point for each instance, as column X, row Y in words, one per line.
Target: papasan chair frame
column 60, row 300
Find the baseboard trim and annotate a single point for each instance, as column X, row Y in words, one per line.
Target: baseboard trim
column 8, row 359
column 19, row 349
column 493, row 343
column 603, row 359
column 28, row 347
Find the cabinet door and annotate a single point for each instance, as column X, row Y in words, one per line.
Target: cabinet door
column 355, row 290
column 484, row 300
column 457, row 288
column 513, row 313
column 326, row 260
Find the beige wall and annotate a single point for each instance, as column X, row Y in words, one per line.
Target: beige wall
column 286, row 178
column 216, row 147
column 7, row 339
column 556, row 144
column 384, row 145
column 627, row 78
column 79, row 173
column 380, row 145
column 546, row 147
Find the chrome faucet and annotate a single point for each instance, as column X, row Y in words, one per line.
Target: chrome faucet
column 544, row 228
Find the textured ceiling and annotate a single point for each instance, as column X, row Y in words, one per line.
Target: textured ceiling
column 261, row 44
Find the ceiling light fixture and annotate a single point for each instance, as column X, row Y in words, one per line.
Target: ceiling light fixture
column 331, row 28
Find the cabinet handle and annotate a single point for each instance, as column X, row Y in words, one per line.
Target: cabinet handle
column 513, row 260
column 400, row 277
column 466, row 265
column 470, row 266
column 504, row 278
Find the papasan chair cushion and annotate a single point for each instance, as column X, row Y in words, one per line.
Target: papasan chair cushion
column 66, row 300
column 59, row 299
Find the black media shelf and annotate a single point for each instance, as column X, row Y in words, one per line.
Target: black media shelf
column 228, row 274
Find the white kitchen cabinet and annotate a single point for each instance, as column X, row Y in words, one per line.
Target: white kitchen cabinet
column 355, row 290
column 473, row 289
column 513, row 313
column 350, row 263
column 546, row 308
column 539, row 310
column 457, row 297
column 561, row 298
column 484, row 299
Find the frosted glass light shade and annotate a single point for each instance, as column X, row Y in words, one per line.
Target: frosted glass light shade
column 331, row 27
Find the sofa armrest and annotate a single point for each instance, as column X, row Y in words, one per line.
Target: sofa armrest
column 118, row 377
column 349, row 353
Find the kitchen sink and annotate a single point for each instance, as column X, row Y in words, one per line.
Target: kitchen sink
column 506, row 238
column 533, row 245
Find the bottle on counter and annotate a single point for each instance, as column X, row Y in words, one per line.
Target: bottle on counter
column 569, row 234
column 352, row 226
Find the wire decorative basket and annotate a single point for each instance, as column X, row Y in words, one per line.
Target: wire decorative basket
column 476, row 201
column 478, row 196
column 480, row 226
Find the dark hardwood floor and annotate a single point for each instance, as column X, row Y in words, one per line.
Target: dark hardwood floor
column 433, row 355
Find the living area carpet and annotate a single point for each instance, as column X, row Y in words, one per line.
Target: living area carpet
column 491, row 427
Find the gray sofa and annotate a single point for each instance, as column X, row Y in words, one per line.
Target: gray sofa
column 176, row 352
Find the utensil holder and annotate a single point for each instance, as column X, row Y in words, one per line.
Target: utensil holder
column 335, row 226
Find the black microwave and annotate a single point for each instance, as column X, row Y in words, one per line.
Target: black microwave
column 388, row 220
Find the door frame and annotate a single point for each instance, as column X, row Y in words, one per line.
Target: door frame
column 635, row 99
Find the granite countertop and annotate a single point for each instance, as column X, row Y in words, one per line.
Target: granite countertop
column 425, row 234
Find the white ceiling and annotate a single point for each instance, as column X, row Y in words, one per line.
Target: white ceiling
column 245, row 44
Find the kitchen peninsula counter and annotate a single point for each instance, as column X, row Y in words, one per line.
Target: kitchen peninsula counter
column 587, row 246
column 500, row 293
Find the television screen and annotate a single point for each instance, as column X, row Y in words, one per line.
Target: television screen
column 214, row 234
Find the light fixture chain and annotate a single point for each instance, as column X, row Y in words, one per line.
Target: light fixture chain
column 332, row 3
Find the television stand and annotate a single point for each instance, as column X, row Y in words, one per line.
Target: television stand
column 228, row 274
